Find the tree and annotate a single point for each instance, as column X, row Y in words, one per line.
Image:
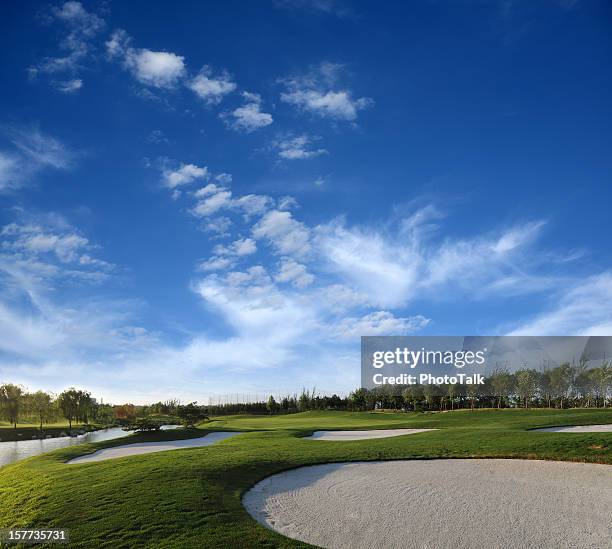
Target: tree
column 272, row 405
column 560, row 381
column 526, row 384
column 85, row 405
column 41, row 404
column 472, row 391
column 68, row 402
column 411, row 396
column 11, row 399
column 358, row 399
column 191, row 414
column 501, row 381
column 451, row 391
column 602, row 379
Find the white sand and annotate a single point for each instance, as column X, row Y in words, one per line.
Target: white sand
column 363, row 435
column 439, row 504
column 150, row 447
column 579, row 429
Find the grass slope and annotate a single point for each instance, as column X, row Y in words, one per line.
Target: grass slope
column 192, row 498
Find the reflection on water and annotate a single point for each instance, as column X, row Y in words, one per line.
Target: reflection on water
column 10, row 452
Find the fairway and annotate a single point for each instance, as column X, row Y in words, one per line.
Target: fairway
column 192, row 498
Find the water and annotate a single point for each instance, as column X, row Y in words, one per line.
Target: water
column 10, row 452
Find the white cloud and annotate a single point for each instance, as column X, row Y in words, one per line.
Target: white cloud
column 118, row 44
column 249, row 117
column 78, row 18
column 186, row 173
column 517, row 237
column 296, row 148
column 216, row 263
column 295, row 273
column 33, row 151
column 255, row 308
column 213, row 198
column 213, row 203
column 584, row 309
column 209, row 88
column 288, row 236
column 339, row 298
column 338, row 105
column 158, row 69
column 378, row 323
column 393, row 268
column 34, row 240
column 253, row 204
column 317, row 93
column 218, row 226
column 241, row 247
column 42, row 149
column 10, row 174
column 68, row 86
column 287, row 203
column 208, row 190
column 81, row 27
column 224, row 178
column 225, row 257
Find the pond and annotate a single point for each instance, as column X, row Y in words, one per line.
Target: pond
column 10, row 452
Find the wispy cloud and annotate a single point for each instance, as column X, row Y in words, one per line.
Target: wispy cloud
column 297, row 147
column 290, row 271
column 392, row 269
column 81, row 27
column 585, row 308
column 211, row 89
column 31, row 151
column 184, row 174
column 248, row 117
column 378, row 323
column 287, row 235
column 225, row 257
column 319, row 92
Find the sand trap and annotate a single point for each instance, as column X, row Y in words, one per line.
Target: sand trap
column 150, row 447
column 460, row 503
column 579, row 429
column 363, row 435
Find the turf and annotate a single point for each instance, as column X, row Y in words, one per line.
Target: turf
column 192, row 497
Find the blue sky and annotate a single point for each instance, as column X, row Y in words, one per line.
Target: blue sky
column 223, row 197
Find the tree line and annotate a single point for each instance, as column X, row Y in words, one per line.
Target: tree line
column 18, row 405
column 565, row 386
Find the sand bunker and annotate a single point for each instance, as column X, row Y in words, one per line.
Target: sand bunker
column 363, row 435
column 150, row 447
column 579, row 429
column 459, row 503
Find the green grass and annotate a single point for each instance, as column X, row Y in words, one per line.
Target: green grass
column 192, row 498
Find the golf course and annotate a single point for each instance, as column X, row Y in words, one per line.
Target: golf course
column 193, row 496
